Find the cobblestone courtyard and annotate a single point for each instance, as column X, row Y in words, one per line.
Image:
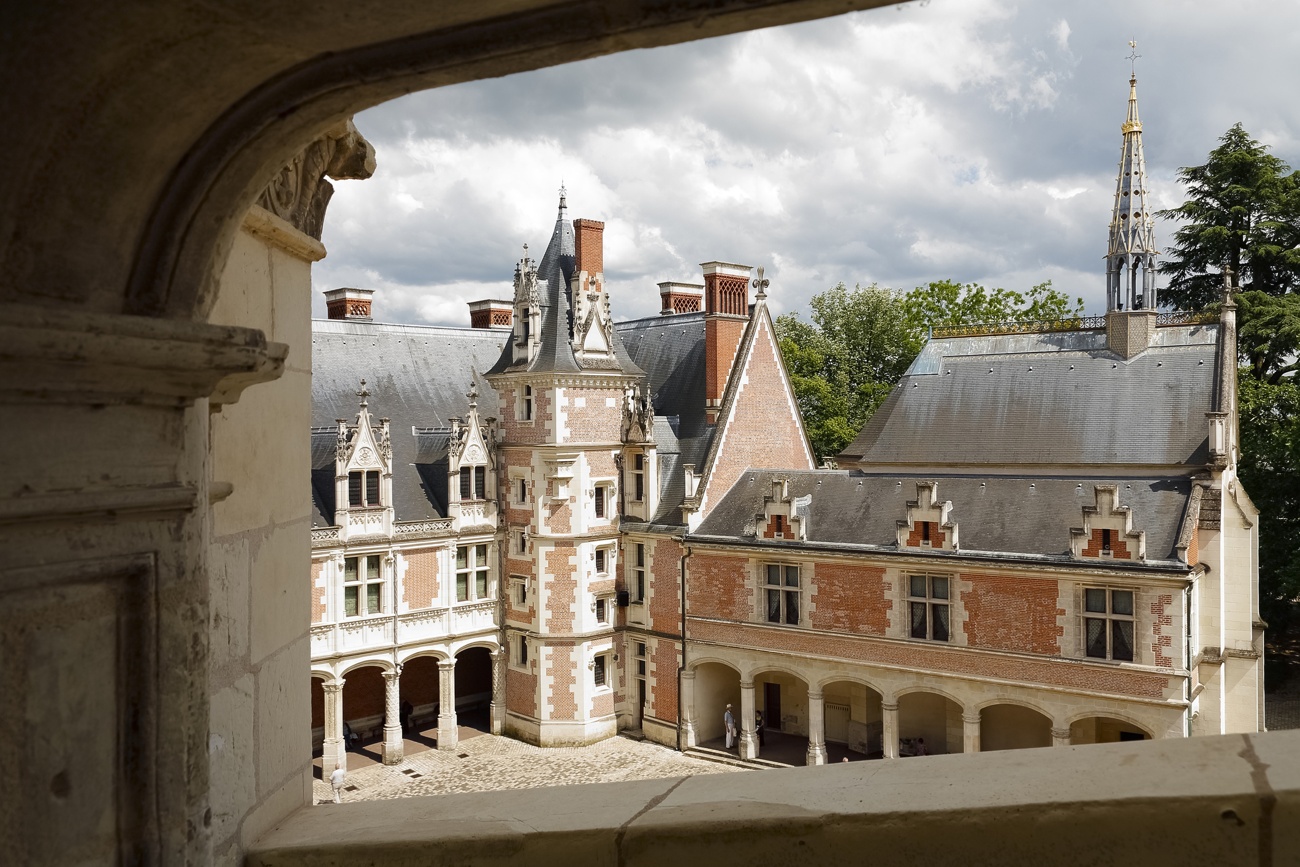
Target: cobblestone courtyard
column 487, row 763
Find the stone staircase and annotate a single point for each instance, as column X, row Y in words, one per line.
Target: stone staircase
column 723, row 757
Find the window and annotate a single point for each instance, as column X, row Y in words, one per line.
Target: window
column 640, row 659
column 782, row 594
column 528, row 389
column 638, row 478
column 1106, row 543
column 601, row 495
column 362, row 586
column 638, row 573
column 930, row 614
column 363, row 488
column 1108, row 623
column 925, row 534
column 471, row 570
column 521, row 590
column 521, row 650
column 602, row 561
column 599, row 667
column 521, row 541
column 522, row 492
column 473, row 483
column 601, row 611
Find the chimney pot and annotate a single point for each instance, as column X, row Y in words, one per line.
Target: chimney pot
column 589, row 252
column 491, row 313
column 349, row 303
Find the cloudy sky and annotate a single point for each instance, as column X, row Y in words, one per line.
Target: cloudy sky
column 975, row 140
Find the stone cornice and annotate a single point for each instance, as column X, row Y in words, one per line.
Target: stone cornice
column 53, row 356
column 280, row 233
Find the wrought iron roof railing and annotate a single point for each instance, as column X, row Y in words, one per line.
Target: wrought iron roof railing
column 1076, row 323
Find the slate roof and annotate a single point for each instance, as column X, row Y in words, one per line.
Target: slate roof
column 418, row 377
column 1047, row 399
column 670, row 349
column 1016, row 516
column 555, row 341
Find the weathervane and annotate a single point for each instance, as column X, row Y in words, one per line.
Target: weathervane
column 1133, row 57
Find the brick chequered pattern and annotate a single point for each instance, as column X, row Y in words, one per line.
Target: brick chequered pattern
column 932, row 657
column 850, row 598
column 663, row 662
column 1161, row 621
column 1004, row 613
column 521, row 692
column 1118, row 549
column 663, row 577
column 559, row 513
column 602, row 703
column 721, row 339
column 915, row 537
column 519, row 432
column 763, row 433
column 562, row 587
column 317, row 593
column 719, row 587
column 595, row 422
column 420, row 583
column 562, row 666
column 1194, row 547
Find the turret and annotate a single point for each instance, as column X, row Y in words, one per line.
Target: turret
column 1131, row 252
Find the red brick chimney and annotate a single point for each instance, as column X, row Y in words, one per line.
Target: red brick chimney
column 491, row 313
column 348, row 303
column 589, row 253
column 726, row 312
column 680, row 298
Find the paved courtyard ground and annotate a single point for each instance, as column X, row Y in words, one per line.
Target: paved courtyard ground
column 486, row 763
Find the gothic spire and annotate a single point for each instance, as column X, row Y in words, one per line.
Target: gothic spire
column 1131, row 252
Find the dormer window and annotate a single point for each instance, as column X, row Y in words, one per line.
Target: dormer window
column 363, row 489
column 925, row 534
column 1105, row 543
column 473, row 483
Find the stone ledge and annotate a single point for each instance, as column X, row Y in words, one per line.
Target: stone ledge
column 1226, row 800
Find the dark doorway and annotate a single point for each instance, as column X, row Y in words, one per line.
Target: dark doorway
column 772, row 706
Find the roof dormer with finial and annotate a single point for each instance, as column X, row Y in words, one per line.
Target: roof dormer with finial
column 1131, row 251
column 364, row 474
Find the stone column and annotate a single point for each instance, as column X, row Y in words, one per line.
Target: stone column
column 686, row 738
column 1060, row 737
column 970, row 732
column 497, row 710
column 816, row 729
column 748, row 738
column 447, row 735
column 392, row 716
column 889, row 733
column 333, row 751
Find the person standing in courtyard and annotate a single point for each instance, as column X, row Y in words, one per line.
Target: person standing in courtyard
column 758, row 728
column 336, row 780
column 729, row 721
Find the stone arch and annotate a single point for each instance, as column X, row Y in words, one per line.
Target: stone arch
column 929, row 721
column 765, row 668
column 696, row 662
column 1013, row 725
column 1101, row 731
column 1006, row 699
column 437, row 653
column 898, row 694
column 380, row 662
column 488, row 643
column 717, row 684
column 822, row 683
column 853, row 714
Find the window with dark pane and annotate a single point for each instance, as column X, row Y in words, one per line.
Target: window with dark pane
column 929, row 611
column 600, row 501
column 782, row 588
column 1108, row 623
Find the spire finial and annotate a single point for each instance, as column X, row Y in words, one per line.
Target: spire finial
column 472, row 395
column 363, row 393
column 1133, row 58
column 563, row 205
column 761, row 284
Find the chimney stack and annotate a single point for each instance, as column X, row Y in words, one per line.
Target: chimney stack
column 589, row 254
column 726, row 312
column 491, row 313
column 346, row 303
column 680, row 298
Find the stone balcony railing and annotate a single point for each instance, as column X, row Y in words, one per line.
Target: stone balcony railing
column 384, row 630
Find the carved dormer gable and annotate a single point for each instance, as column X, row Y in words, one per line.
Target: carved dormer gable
column 593, row 327
column 528, row 309
column 638, row 415
column 364, row 474
column 471, row 480
column 928, row 523
column 783, row 517
column 470, row 444
column 365, row 445
column 1107, row 531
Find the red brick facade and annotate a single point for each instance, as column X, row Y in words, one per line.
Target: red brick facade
column 563, row 666
column 851, row 598
column 318, row 605
column 519, row 431
column 664, row 570
column 719, row 587
column 562, row 588
column 664, row 662
column 778, row 527
column 521, row 692
column 721, row 339
column 1162, row 638
column 1118, row 547
column 923, row 531
column 1005, row 613
column 596, row 421
column 420, row 583
column 602, row 703
column 589, row 249
column 940, row 658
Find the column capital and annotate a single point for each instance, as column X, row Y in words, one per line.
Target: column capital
column 973, row 718
column 747, row 684
column 891, row 706
column 393, row 674
column 688, row 673
column 446, row 665
column 814, row 695
column 333, row 687
column 1061, row 734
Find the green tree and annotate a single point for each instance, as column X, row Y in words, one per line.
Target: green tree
column 861, row 341
column 1242, row 211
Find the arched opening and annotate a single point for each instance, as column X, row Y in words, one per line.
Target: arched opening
column 418, row 707
column 782, row 699
column 716, row 686
column 1013, row 727
column 1106, row 730
column 854, row 721
column 363, row 715
column 928, row 724
column 473, row 691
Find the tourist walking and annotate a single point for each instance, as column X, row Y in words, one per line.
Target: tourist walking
column 729, row 721
column 336, row 780
column 758, row 727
